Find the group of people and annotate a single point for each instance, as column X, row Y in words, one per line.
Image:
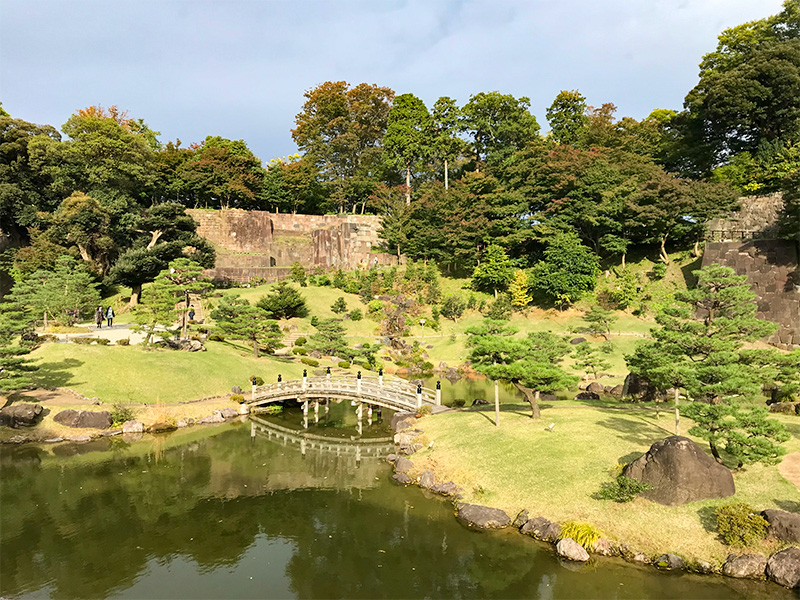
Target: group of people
column 101, row 314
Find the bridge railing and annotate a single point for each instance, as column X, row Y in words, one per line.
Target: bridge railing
column 393, row 391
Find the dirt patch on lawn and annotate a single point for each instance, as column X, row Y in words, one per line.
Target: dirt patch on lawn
column 790, row 468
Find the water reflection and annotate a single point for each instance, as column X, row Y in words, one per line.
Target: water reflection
column 224, row 513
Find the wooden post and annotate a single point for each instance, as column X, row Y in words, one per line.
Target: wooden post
column 358, row 383
column 419, row 397
column 380, row 377
column 496, row 404
column 438, row 393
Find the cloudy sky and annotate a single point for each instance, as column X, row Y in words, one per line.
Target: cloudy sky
column 238, row 69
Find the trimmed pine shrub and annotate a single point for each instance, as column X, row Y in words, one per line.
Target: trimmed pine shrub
column 237, row 398
column 739, row 525
column 343, row 364
column 311, row 362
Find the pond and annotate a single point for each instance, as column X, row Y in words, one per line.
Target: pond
column 257, row 509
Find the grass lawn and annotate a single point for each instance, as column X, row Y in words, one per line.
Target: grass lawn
column 553, row 474
column 132, row 374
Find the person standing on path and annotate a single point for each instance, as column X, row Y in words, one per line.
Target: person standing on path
column 110, row 316
column 191, row 312
column 98, row 317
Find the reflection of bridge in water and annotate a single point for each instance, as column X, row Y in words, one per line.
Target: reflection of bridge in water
column 358, row 448
column 362, row 392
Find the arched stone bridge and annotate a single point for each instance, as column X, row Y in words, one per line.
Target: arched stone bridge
column 389, row 392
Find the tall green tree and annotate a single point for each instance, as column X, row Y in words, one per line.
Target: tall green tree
column 495, row 272
column 447, row 145
column 567, row 271
column 236, row 318
column 84, row 223
column 283, row 302
column 699, row 346
column 15, row 320
column 408, row 138
column 567, row 117
column 329, row 339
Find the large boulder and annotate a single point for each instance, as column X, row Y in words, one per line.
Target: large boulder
column 84, row 419
column 596, row 387
column 483, row 517
column 745, row 566
column 20, row 415
column 669, row 562
column 427, row 480
column 448, row 488
column 571, row 550
column 403, row 465
column 132, row 427
column 784, row 567
column 399, row 417
column 783, row 525
column 680, row 472
column 542, row 529
column 587, row 395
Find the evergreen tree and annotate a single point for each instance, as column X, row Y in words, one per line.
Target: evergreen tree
column 496, row 271
column 329, row 339
column 238, row 319
column 298, row 274
column 599, row 321
column 15, row 320
column 587, row 356
column 567, row 271
column 519, row 290
column 283, row 302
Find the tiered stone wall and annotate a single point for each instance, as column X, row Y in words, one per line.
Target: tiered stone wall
column 772, row 269
column 757, row 218
column 262, row 244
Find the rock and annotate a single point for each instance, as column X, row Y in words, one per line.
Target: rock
column 244, row 409
column 616, row 391
column 316, row 354
column 669, row 562
column 452, row 375
column 640, row 558
column 784, row 567
column 54, row 440
column 180, row 424
column 577, row 340
column 784, row 407
column 521, row 519
column 405, row 438
column 783, row 525
column 479, row 402
column 745, row 566
column 84, row 419
column 548, row 398
column 392, row 458
column 542, row 529
column 443, row 366
column 680, row 472
column 161, row 427
column 587, row 396
column 605, row 547
column 483, row 517
column 412, row 449
column 132, row 427
column 20, row 415
column 701, row 566
column 445, row 489
column 402, row 416
column 236, row 390
column 401, row 478
column 405, row 424
column 571, row 550
column 215, row 418
column 595, row 387
column 416, row 382
column 112, row 433
column 427, row 480
column 79, row 438
column 403, row 465
column 96, row 401
column 229, row 413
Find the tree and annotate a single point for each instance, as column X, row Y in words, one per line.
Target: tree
column 495, row 272
column 238, row 319
column 453, row 307
column 298, row 274
column 587, row 356
column 519, row 290
column 531, row 364
column 447, row 146
column 499, row 124
column 82, row 221
column 567, row 118
column 408, row 140
column 63, row 294
column 329, row 339
column 15, row 320
column 340, row 306
column 567, row 270
column 283, row 302
column 599, row 321
column 699, row 346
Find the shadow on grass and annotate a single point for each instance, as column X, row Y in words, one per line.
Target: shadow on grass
column 686, row 271
column 708, row 518
column 793, row 429
column 635, row 430
column 56, row 374
column 788, row 505
column 629, row 458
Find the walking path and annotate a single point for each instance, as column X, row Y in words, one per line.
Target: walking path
column 790, row 468
column 113, row 333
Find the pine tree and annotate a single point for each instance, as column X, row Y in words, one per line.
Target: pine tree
column 340, row 306
column 283, row 302
column 236, row 318
column 587, row 356
column 599, row 322
column 15, row 320
column 495, row 272
column 519, row 290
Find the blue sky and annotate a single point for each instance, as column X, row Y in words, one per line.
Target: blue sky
column 238, row 69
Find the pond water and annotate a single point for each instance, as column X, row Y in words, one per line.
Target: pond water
column 255, row 509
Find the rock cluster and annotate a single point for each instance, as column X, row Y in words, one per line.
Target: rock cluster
column 20, row 415
column 84, row 419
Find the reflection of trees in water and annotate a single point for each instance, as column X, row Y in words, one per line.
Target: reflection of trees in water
column 89, row 530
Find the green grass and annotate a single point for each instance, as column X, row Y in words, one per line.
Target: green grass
column 554, row 474
column 133, row 374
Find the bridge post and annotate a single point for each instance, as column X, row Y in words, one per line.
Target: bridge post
column 380, row 377
column 253, row 389
column 419, row 396
column 328, row 372
column 305, row 379
column 438, row 393
column 358, row 383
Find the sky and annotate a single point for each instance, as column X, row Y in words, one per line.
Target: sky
column 239, row 69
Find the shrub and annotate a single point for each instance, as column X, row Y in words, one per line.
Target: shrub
column 583, row 533
column 311, row 362
column 622, row 489
column 85, row 341
column 124, row 342
column 301, row 341
column 237, row 398
column 299, row 351
column 739, row 525
column 356, row 314
column 283, row 302
column 314, row 321
column 103, row 341
column 215, row 337
column 452, row 307
column 459, row 402
column 259, row 380
column 424, row 410
column 500, row 309
column 658, row 271
column 120, row 414
column 375, row 308
column 343, row 364
column 340, row 306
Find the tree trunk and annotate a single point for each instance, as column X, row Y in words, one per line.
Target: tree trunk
column 155, row 237
column 496, row 404
column 677, row 414
column 663, row 251
column 136, row 295
column 185, row 315
column 696, row 249
column 408, row 185
column 715, row 451
column 446, row 185
column 623, row 259
column 84, row 253
column 532, row 397
column 255, row 348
